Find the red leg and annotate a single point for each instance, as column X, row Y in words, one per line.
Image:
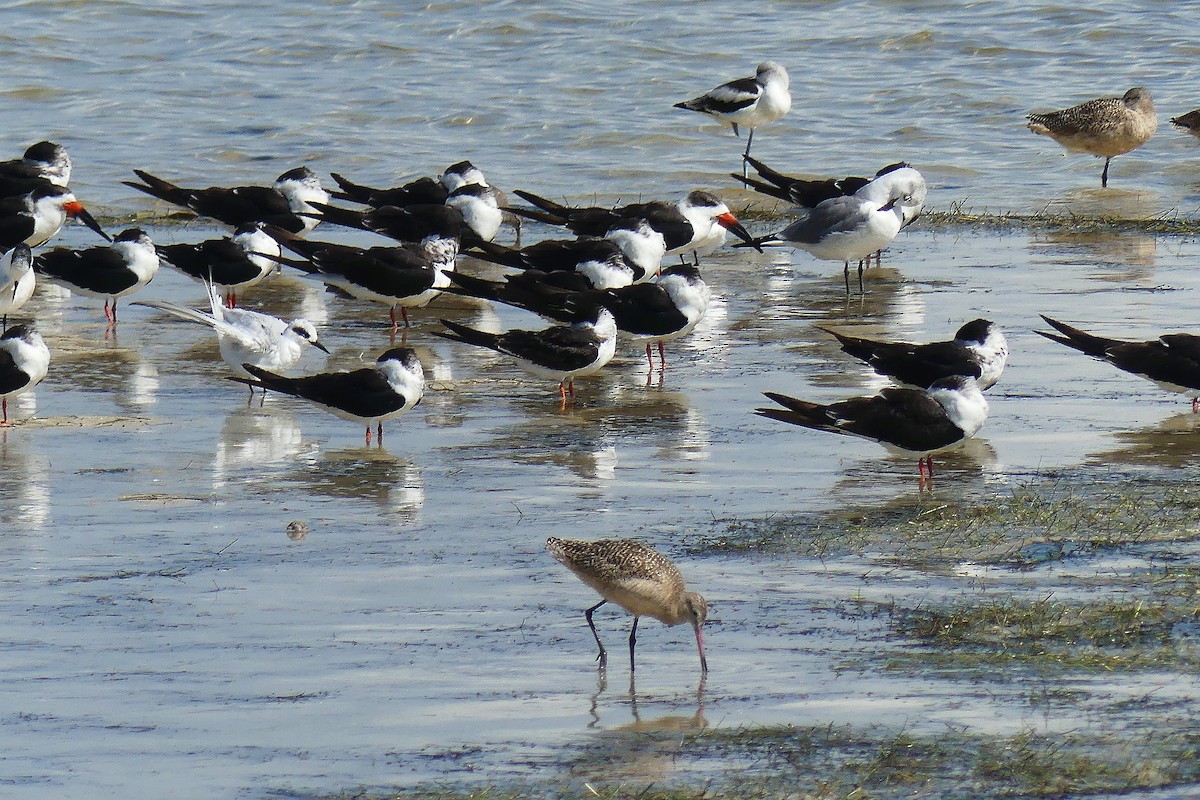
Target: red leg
column 368, row 434
column 649, row 357
column 1195, row 405
column 392, row 317
column 404, row 314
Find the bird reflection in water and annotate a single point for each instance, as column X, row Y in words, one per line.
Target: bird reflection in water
column 256, row 443
column 1173, row 443
column 24, row 485
column 370, row 474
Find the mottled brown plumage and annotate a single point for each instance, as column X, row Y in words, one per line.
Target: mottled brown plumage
column 1105, row 127
column 641, row 580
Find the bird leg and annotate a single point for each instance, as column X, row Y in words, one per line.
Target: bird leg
column 392, row 317
column 1195, row 405
column 649, row 357
column 861, row 290
column 846, row 272
column 111, row 316
column 603, row 657
column 379, row 431
column 749, row 139
column 1104, row 174
column 662, row 358
column 404, row 315
column 230, row 300
column 368, row 435
column 632, row 642
column 4, row 407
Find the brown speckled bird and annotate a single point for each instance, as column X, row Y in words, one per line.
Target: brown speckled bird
column 1107, row 126
column 639, row 579
column 1189, row 122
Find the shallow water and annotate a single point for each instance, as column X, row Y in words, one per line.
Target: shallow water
column 162, row 630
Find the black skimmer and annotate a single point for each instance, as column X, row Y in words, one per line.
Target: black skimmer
column 1189, row 122
column 366, row 396
column 397, row 277
column 233, row 264
column 422, row 191
column 248, row 337
column 748, row 102
column 696, row 224
column 280, row 204
column 42, row 161
column 810, row 193
column 639, row 579
column 36, row 216
column 24, row 361
column 916, row 421
column 1105, row 127
column 560, row 352
column 978, row 350
column 1172, row 360
column 16, row 282
column 438, row 229
column 847, row 229
column 111, row 272
column 629, row 253
column 666, row 308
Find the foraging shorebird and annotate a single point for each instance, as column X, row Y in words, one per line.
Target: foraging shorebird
column 16, row 282
column 1107, row 126
column 561, row 352
column 248, row 337
column 847, row 228
column 107, row 273
column 1189, row 122
column 978, row 350
column 748, row 102
column 639, row 579
column 280, row 204
column 1172, row 361
column 24, row 361
column 921, row 422
column 232, row 264
column 369, row 395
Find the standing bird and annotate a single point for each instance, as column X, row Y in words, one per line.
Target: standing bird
column 561, row 352
column 1172, row 360
column 16, row 282
column 978, row 350
column 232, row 264
column 848, row 228
column 639, row 579
column 45, row 161
column 369, row 395
column 248, row 337
column 921, row 422
column 112, row 272
column 280, row 204
column 751, row 102
column 24, row 361
column 36, row 216
column 1107, row 126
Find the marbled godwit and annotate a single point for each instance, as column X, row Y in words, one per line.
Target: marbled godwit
column 915, row 421
column 750, row 102
column 1172, row 361
column 978, row 350
column 24, row 361
column 369, row 395
column 1189, row 122
column 1107, row 126
column 639, row 579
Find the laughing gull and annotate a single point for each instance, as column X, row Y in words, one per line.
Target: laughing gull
column 248, row 337
column 1105, row 127
column 369, row 395
column 24, row 361
column 16, row 282
column 912, row 421
column 279, row 204
column 668, row 307
column 749, row 102
column 1172, row 361
column 639, row 579
column 107, row 273
column 848, row 228
column 232, row 264
column 560, row 352
column 978, row 350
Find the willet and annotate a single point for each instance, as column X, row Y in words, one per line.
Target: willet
column 1106, row 126
column 639, row 579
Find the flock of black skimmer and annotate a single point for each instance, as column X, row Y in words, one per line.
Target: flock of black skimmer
column 616, row 277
